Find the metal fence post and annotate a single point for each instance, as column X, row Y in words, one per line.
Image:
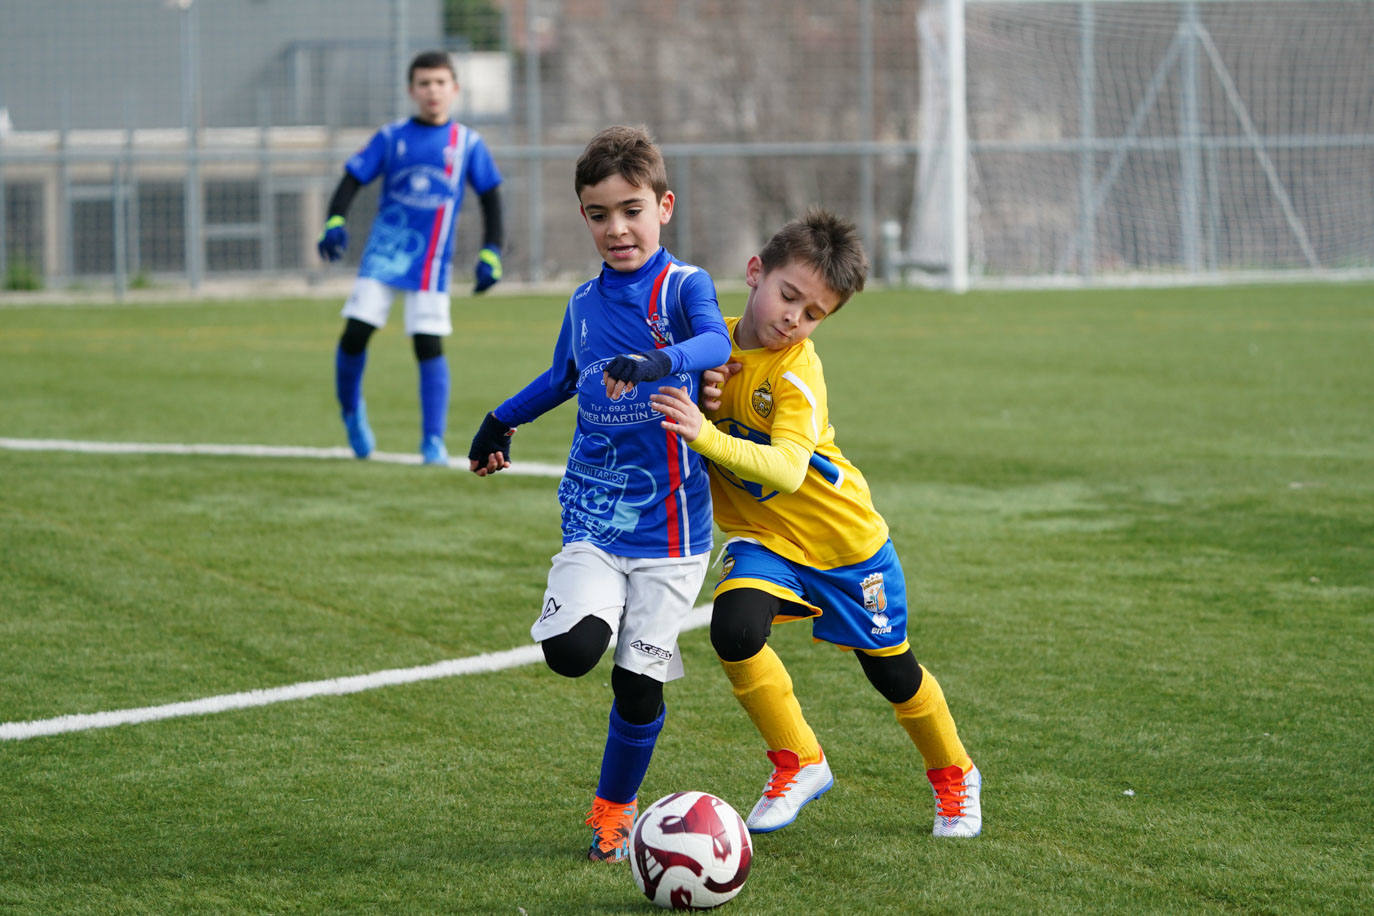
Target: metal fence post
column 533, row 114
column 190, row 116
column 866, row 84
column 64, row 265
column 958, row 148
column 398, row 56
column 1190, row 154
column 1087, row 131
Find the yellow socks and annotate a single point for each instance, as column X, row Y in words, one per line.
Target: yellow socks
column 927, row 720
column 764, row 688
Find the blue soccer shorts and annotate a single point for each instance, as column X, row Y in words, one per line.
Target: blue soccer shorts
column 860, row 606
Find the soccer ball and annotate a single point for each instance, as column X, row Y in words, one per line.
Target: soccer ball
column 690, row 851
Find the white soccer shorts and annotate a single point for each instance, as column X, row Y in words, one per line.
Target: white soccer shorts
column 644, row 600
column 426, row 312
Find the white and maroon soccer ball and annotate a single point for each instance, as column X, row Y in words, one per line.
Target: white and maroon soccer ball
column 690, row 851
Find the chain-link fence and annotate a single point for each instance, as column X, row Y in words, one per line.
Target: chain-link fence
column 161, row 141
column 148, row 141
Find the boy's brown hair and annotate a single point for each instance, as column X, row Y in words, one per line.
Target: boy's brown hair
column 430, row 60
column 625, row 151
column 829, row 243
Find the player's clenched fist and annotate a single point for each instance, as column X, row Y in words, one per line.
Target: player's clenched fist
column 490, row 451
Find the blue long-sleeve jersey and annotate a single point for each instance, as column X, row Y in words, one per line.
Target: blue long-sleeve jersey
column 631, row 488
column 426, row 168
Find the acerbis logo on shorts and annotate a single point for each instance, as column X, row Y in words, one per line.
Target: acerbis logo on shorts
column 551, row 607
column 647, row 649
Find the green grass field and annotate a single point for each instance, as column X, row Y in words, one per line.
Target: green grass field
column 1138, row 528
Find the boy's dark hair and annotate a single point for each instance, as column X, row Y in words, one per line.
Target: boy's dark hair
column 431, row 60
column 625, row 151
column 827, row 242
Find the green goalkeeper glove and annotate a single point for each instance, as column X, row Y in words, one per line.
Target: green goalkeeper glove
column 333, row 240
column 488, row 268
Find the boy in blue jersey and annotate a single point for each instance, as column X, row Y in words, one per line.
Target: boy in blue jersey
column 425, row 164
column 803, row 538
column 636, row 500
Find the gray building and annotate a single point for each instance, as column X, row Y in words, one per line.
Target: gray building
column 83, row 64
column 145, row 137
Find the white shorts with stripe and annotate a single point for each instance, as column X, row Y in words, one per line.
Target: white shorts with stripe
column 644, row 600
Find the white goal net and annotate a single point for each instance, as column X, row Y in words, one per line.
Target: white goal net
column 1127, row 141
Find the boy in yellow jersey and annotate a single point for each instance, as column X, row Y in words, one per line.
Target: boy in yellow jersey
column 804, row 540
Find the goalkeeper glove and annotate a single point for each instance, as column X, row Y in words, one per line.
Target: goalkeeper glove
column 488, row 268
column 333, row 240
column 492, row 437
column 640, row 367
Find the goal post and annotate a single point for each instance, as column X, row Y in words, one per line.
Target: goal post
column 1118, row 141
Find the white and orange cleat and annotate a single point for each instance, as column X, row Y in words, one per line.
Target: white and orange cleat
column 958, row 804
column 789, row 789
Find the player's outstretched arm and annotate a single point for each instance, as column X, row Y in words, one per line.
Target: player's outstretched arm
column 490, row 450
column 779, row 465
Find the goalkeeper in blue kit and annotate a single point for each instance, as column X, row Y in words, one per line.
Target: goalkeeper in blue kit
column 636, row 500
column 426, row 163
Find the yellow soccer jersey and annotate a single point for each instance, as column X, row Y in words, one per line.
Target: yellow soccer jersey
column 778, row 398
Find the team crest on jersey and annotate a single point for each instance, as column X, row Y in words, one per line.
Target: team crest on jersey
column 658, row 327
column 762, row 399
column 875, row 598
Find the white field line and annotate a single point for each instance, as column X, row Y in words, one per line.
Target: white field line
column 519, row 468
column 475, row 664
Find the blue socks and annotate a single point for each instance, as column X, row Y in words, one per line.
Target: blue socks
column 348, row 379
column 433, row 397
column 629, row 748
column 434, row 389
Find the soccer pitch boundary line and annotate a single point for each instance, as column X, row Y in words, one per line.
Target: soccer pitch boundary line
column 339, row 686
column 485, row 663
column 523, row 468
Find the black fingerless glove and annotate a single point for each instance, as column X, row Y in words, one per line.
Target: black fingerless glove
column 640, row 367
column 492, row 437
